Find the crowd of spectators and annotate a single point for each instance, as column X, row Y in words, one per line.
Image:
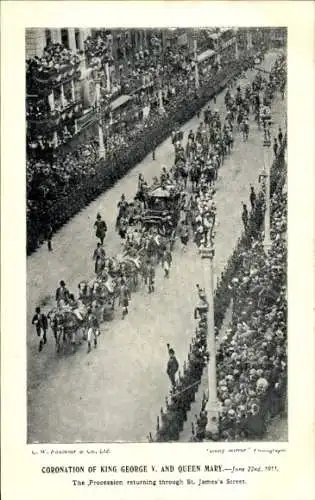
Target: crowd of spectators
column 56, row 57
column 252, row 361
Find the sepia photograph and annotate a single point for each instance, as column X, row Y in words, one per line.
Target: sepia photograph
column 156, row 231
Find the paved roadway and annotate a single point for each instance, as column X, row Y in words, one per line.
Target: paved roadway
column 115, row 392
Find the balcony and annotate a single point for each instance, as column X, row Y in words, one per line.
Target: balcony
column 47, row 121
column 56, row 66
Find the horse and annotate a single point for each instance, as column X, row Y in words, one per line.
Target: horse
column 240, row 118
column 245, row 129
column 194, row 174
column 190, row 148
column 181, row 171
column 211, row 174
column 228, row 141
column 105, row 290
column 84, row 292
column 65, row 325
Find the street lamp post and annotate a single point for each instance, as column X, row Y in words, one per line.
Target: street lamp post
column 207, row 252
column 237, row 53
column 266, row 149
column 160, row 93
column 107, row 73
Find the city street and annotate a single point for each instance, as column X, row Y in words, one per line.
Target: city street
column 115, row 393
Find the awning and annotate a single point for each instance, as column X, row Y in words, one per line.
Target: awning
column 119, row 101
column 205, row 55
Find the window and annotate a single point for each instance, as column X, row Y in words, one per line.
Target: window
column 48, row 36
column 65, row 37
column 77, row 38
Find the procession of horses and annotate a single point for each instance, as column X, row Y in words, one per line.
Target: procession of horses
column 177, row 204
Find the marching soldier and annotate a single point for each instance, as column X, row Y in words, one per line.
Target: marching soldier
column 41, row 325
column 101, row 228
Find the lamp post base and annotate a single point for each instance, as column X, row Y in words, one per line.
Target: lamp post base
column 212, row 427
column 267, row 245
column 101, row 153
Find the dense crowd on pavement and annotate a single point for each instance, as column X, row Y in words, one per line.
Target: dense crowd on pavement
column 252, row 361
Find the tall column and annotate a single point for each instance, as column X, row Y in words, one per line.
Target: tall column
column 72, row 44
column 72, row 90
column 40, row 41
column 62, row 96
column 237, row 54
column 267, row 160
column 51, row 101
column 56, row 35
column 101, row 150
column 207, row 255
column 249, row 40
column 55, row 139
column 107, row 74
column 196, row 64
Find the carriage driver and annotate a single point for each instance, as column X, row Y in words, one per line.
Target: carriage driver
column 62, row 293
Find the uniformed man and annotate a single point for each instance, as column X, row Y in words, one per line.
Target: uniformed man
column 172, row 366
column 62, row 293
column 252, row 197
column 101, row 228
column 99, row 252
column 41, row 325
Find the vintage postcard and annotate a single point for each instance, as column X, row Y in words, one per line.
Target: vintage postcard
column 157, row 230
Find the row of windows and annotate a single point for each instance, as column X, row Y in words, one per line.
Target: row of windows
column 64, row 37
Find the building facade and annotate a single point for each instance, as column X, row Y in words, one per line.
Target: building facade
column 36, row 39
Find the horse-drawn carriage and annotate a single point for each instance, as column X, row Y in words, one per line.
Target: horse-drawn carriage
column 163, row 210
